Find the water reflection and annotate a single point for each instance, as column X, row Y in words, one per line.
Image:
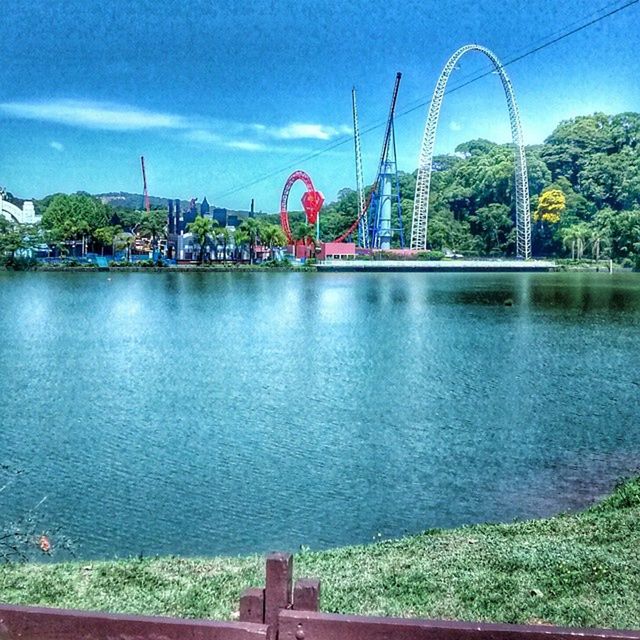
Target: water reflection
column 254, row 411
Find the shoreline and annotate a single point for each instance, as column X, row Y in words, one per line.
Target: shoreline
column 574, row 569
column 364, row 266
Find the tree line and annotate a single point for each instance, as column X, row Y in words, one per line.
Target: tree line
column 584, row 182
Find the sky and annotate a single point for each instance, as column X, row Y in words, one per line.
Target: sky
column 217, row 95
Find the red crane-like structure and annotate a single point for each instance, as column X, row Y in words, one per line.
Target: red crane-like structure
column 147, row 204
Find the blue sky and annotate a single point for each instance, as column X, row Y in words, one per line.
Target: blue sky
column 215, row 96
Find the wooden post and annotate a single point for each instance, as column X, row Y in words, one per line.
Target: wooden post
column 278, row 586
column 252, row 606
column 306, row 595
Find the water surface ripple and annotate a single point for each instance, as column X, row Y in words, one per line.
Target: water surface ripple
column 226, row 413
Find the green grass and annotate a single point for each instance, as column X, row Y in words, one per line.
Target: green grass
column 575, row 569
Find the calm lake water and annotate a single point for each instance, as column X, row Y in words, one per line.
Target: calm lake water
column 200, row 414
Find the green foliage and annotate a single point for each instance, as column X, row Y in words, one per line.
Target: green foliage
column 586, row 172
column 277, row 264
column 154, row 225
column 16, row 243
column 202, row 228
column 592, row 161
column 71, row 217
column 430, row 255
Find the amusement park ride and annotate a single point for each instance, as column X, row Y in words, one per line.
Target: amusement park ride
column 377, row 226
column 374, row 221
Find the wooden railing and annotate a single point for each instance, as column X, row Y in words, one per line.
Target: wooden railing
column 279, row 611
column 36, row 623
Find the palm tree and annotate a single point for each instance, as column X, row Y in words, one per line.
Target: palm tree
column 240, row 238
column 583, row 235
column 570, row 237
column 153, row 225
column 251, row 227
column 273, row 236
column 305, row 233
column 224, row 235
column 124, row 240
column 202, row 228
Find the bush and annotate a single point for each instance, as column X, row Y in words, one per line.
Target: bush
column 18, row 263
column 431, row 255
column 144, row 263
column 276, row 264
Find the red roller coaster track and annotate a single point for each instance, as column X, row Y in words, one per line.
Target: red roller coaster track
column 311, row 201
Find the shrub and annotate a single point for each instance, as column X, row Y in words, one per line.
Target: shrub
column 431, row 255
column 18, row 263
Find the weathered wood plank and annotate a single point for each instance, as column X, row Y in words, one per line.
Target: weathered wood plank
column 278, row 587
column 306, row 595
column 252, row 605
column 37, row 623
column 303, row 625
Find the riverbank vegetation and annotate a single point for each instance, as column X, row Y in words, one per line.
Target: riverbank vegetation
column 584, row 182
column 580, row 569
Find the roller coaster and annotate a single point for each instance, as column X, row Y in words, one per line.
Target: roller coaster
column 373, row 224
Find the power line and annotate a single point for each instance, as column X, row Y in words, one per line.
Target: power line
column 378, row 125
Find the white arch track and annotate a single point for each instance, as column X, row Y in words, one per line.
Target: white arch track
column 10, row 212
column 423, row 184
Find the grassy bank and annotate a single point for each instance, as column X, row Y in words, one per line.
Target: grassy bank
column 578, row 570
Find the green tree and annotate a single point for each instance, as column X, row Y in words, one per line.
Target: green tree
column 575, row 237
column 71, row 218
column 251, row 227
column 569, row 147
column 202, row 228
column 272, row 236
column 105, row 236
column 153, row 225
column 240, row 240
column 494, row 225
column 15, row 241
column 224, row 236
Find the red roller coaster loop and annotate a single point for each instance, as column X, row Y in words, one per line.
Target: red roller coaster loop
column 311, row 201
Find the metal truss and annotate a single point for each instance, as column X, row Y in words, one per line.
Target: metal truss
column 363, row 224
column 423, row 183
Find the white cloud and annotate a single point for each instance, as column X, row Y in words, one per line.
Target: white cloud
column 246, row 145
column 94, row 115
column 241, row 136
column 302, row 130
column 202, row 135
column 454, row 125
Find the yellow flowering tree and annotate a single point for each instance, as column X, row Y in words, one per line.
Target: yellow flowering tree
column 551, row 204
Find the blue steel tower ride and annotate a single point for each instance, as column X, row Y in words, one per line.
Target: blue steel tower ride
column 386, row 189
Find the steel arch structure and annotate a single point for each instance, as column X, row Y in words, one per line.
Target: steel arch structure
column 423, row 183
column 312, row 201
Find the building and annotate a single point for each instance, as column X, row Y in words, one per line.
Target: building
column 324, row 251
column 337, row 251
column 220, row 216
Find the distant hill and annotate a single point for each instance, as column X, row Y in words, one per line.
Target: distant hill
column 128, row 200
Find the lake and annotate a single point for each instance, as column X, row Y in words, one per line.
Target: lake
column 224, row 413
